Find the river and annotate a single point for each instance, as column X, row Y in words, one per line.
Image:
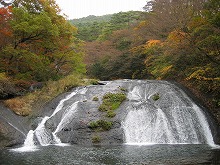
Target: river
column 186, row 154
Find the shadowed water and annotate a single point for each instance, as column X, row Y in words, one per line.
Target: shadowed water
column 112, row 155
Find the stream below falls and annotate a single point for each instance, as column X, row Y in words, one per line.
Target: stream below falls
column 190, row 154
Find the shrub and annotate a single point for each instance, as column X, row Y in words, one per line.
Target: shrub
column 103, row 108
column 123, row 89
column 25, row 104
column 95, row 98
column 156, row 97
column 114, row 97
column 111, row 101
column 104, row 125
column 19, row 106
column 96, row 139
column 115, row 105
column 8, row 88
column 69, row 87
column 93, row 125
column 111, row 114
column 94, row 82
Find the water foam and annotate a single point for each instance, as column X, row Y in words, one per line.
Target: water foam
column 173, row 119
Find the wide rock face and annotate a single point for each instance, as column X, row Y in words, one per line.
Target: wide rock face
column 154, row 112
column 71, row 123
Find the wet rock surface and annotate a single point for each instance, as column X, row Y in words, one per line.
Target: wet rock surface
column 12, row 128
column 71, row 123
column 69, row 119
column 75, row 129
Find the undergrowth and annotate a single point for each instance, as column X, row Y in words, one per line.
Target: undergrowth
column 100, row 125
column 111, row 102
column 156, row 97
column 96, row 139
column 25, row 104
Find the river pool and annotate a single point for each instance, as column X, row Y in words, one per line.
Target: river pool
column 113, row 155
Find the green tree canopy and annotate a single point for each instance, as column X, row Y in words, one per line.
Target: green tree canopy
column 42, row 44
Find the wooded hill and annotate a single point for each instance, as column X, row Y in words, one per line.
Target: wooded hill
column 175, row 40
column 91, row 19
column 100, row 27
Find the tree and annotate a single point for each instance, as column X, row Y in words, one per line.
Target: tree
column 42, row 44
column 5, row 29
column 171, row 15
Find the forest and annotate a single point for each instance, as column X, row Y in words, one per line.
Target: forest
column 177, row 40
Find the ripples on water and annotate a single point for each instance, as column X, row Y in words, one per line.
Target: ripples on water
column 113, row 155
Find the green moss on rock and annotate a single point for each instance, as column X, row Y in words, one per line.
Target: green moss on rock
column 110, row 114
column 96, row 139
column 156, row 97
column 104, row 125
column 111, row 101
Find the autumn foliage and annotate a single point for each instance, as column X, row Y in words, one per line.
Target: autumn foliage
column 175, row 40
column 37, row 43
column 172, row 40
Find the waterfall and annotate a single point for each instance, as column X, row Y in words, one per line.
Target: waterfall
column 42, row 134
column 29, row 140
column 172, row 119
column 155, row 112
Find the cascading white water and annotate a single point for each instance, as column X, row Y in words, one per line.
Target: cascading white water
column 205, row 125
column 42, row 134
column 66, row 117
column 29, row 140
column 29, row 144
column 172, row 119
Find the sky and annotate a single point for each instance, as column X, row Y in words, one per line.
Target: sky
column 82, row 8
